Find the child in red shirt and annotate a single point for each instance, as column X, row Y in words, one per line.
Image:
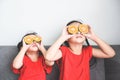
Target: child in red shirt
column 30, row 62
column 74, row 58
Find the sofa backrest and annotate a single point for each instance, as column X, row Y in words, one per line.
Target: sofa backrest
column 112, row 65
column 7, row 54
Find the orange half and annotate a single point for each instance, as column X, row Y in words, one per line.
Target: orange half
column 28, row 39
column 37, row 38
column 72, row 29
column 83, row 28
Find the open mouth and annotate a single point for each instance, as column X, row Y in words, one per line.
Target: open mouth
column 78, row 36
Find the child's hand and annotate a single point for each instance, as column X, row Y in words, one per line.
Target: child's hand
column 41, row 48
column 65, row 33
column 26, row 45
column 91, row 35
column 39, row 45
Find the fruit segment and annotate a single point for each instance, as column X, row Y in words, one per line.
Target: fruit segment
column 83, row 28
column 72, row 29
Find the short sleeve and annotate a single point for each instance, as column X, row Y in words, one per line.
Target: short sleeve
column 16, row 71
column 47, row 68
column 63, row 50
column 89, row 49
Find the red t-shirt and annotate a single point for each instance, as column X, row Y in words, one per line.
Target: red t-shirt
column 33, row 70
column 75, row 67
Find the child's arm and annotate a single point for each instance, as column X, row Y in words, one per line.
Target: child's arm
column 105, row 50
column 18, row 60
column 53, row 53
column 43, row 51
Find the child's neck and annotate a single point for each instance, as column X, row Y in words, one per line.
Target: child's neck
column 76, row 49
column 33, row 56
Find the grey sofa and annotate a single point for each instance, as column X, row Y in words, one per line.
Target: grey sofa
column 98, row 69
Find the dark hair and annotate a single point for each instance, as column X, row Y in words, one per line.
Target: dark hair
column 73, row 21
column 69, row 23
column 20, row 44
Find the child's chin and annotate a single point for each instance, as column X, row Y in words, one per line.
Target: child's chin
column 34, row 48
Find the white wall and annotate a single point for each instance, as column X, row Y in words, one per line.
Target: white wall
column 48, row 17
